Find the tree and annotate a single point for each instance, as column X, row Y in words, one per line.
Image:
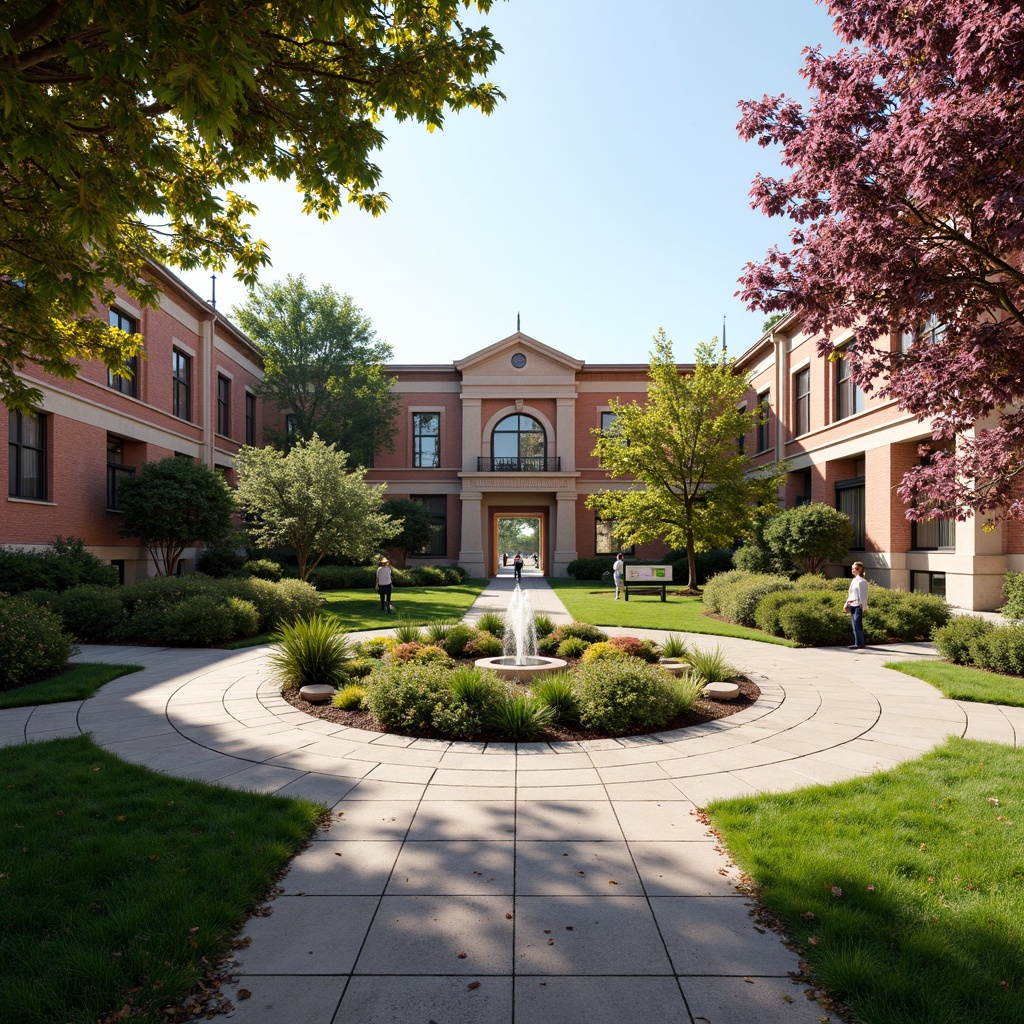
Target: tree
column 128, row 125
column 692, row 485
column 810, row 535
column 171, row 504
column 415, row 525
column 322, row 364
column 308, row 500
column 906, row 185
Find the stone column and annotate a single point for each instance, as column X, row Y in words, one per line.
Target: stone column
column 565, row 435
column 471, row 439
column 565, row 532
column 471, row 555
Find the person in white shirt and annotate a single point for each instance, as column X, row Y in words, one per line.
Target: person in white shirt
column 857, row 604
column 617, row 570
column 383, row 585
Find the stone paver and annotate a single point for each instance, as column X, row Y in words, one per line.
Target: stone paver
column 576, row 878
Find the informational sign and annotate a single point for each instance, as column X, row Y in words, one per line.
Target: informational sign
column 648, row 573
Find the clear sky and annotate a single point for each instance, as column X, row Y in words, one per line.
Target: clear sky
column 607, row 195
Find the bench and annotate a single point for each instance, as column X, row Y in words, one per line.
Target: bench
column 645, row 588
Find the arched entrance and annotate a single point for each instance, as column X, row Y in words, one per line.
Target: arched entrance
column 523, row 531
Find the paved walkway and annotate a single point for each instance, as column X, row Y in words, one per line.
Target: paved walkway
column 530, row 883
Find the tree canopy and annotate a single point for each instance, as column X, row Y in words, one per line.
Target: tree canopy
column 126, row 126
column 322, row 364
column 415, row 522
column 810, row 535
column 691, row 484
column 310, row 501
column 173, row 503
column 906, row 194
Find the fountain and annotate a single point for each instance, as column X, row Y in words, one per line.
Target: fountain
column 520, row 661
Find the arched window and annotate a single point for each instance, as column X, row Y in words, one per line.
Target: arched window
column 518, row 443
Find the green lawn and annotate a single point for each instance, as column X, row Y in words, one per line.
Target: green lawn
column 588, row 601
column 121, row 887
column 77, row 683
column 962, row 682
column 903, row 891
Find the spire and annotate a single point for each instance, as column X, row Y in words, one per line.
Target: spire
column 724, row 350
column 517, row 323
column 213, row 290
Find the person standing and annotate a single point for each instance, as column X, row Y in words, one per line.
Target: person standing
column 517, row 566
column 383, row 585
column 617, row 570
column 857, row 604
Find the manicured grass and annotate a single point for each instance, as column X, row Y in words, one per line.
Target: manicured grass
column 360, row 609
column 122, row 887
column 962, row 682
column 588, row 601
column 903, row 891
column 77, row 683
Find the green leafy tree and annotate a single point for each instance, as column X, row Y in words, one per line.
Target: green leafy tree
column 416, row 524
column 171, row 504
column 810, row 535
column 322, row 364
column 690, row 483
column 127, row 126
column 308, row 500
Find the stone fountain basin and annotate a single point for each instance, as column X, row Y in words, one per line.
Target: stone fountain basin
column 521, row 670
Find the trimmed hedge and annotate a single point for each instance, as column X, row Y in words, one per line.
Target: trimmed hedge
column 90, row 613
column 33, row 643
column 954, row 641
column 616, row 695
column 735, row 595
column 717, row 560
column 1013, row 591
column 63, row 564
column 1000, row 650
column 363, row 577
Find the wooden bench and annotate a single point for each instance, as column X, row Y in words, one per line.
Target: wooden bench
column 645, row 588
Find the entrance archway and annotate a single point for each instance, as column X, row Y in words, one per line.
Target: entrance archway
column 523, row 532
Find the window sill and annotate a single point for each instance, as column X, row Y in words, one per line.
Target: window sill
column 31, row 501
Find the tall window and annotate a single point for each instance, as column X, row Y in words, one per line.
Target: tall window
column 116, row 471
column 437, row 546
column 604, row 542
column 126, row 385
column 181, row 399
column 426, row 440
column 850, row 500
column 763, row 412
column 849, row 397
column 223, row 406
column 250, row 418
column 519, row 443
column 802, row 402
column 933, row 535
column 26, row 452
column 608, row 422
column 931, row 332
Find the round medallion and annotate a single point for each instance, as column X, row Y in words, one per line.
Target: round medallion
column 519, row 360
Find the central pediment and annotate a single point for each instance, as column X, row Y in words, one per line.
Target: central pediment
column 518, row 358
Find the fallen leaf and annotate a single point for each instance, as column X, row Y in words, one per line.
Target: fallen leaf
column 808, row 914
column 568, row 927
column 749, row 981
column 472, row 985
column 508, row 917
column 462, row 956
column 788, row 998
column 613, row 883
column 243, row 993
column 551, row 942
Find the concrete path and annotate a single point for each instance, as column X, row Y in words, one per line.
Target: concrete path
column 529, row 883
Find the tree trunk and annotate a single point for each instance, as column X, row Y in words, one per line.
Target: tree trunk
column 691, row 564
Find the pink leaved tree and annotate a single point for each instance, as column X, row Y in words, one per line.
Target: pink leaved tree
column 907, row 196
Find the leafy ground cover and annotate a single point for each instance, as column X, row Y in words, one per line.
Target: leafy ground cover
column 590, row 602
column 964, row 682
column 903, row 891
column 77, row 683
column 121, row 887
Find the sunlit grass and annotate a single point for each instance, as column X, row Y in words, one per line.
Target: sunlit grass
column 77, row 683
column 963, row 682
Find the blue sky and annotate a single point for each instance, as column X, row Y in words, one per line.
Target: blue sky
column 605, row 198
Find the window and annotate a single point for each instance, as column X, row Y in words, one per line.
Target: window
column 116, row 471
column 802, row 402
column 26, row 450
column 933, row 535
column 126, row 385
column 519, row 443
column 608, row 422
column 437, row 546
column 181, row 400
column 849, row 397
column 763, row 411
column 850, row 500
column 426, row 440
column 250, row 418
column 291, row 428
column 928, row 583
column 931, row 332
column 605, row 543
column 803, row 495
column 223, row 406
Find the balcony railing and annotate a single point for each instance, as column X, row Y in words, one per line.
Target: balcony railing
column 521, row 464
column 114, row 474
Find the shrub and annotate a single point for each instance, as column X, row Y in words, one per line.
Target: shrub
column 63, row 564
column 263, row 569
column 809, row 535
column 543, row 625
column 438, row 632
column 635, row 647
column 343, row 577
column 674, row 646
column 520, row 717
column 815, row 581
column 408, row 632
column 595, row 652
column 428, row 576
column 218, row 562
column 33, row 643
column 814, row 621
column 349, row 698
column 1013, row 591
column 299, row 600
column 453, row 574
column 480, row 691
column 45, row 598
column 432, row 655
column 548, row 644
column 359, row 668
column 311, row 650
column 953, row 641
column 196, row 622
column 571, row 647
column 491, row 622
column 709, row 666
column 1000, row 650
column 590, row 568
column 740, row 603
column 716, row 588
column 483, row 645
column 376, row 647
column 621, row 694
column 91, row 613
column 685, row 691
column 556, row 691
column 245, row 617
column 457, row 638
column 582, row 630
column 405, row 652
column 896, row 615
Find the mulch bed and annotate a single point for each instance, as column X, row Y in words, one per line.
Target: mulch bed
column 703, row 711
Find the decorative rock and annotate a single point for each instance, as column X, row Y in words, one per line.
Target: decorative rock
column 317, row 693
column 677, row 668
column 722, row 691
